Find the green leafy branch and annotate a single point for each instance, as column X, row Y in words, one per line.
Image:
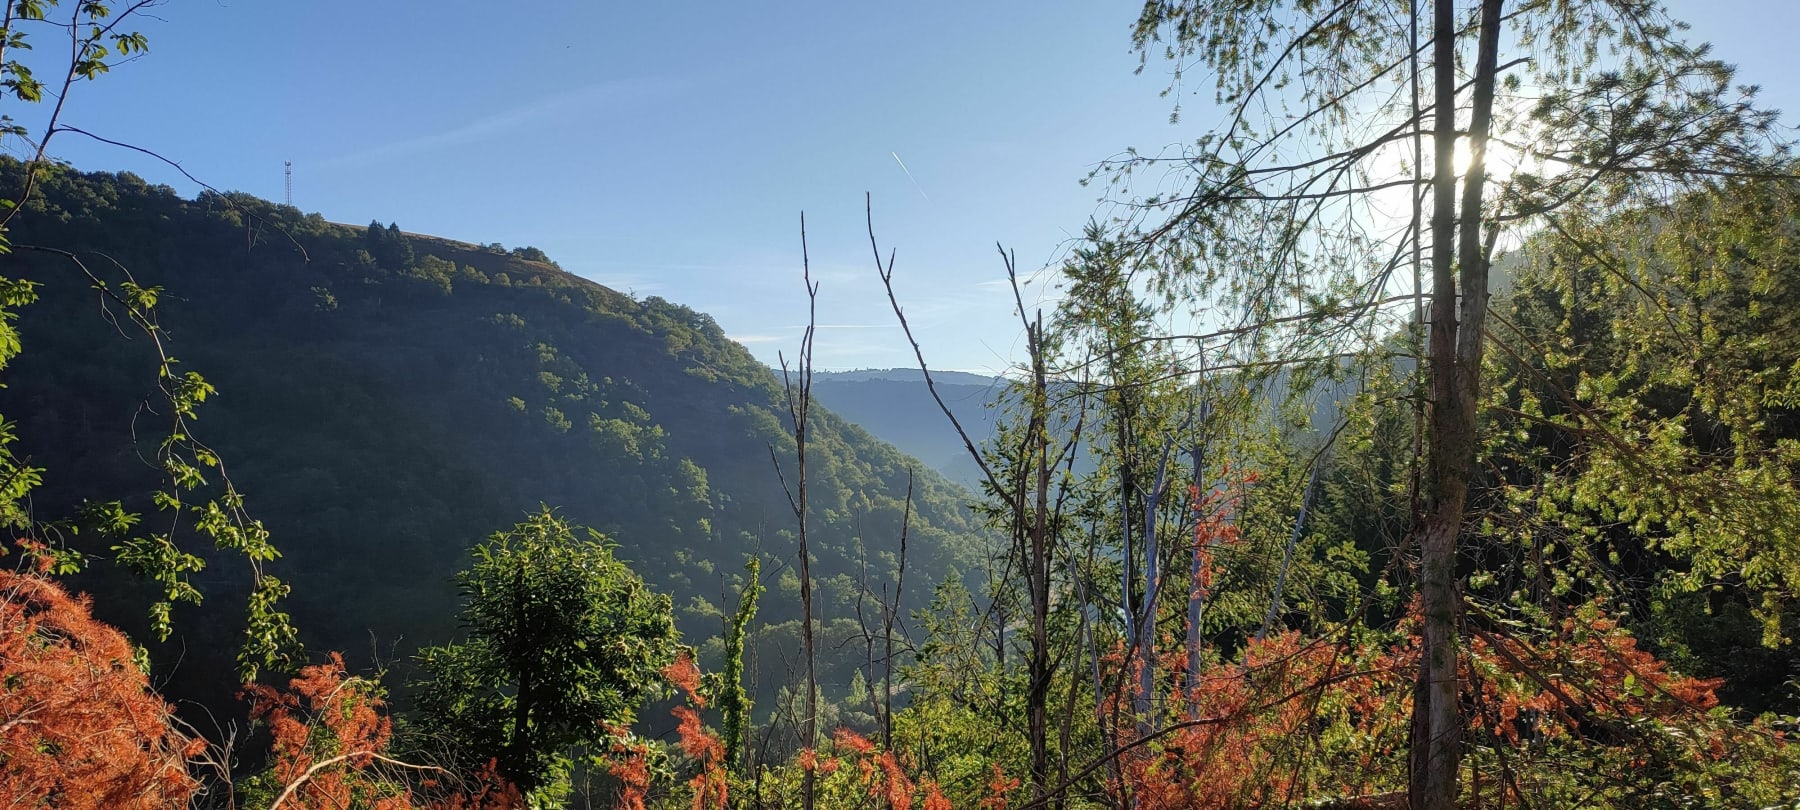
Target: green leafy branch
column 97, row 43
column 185, row 464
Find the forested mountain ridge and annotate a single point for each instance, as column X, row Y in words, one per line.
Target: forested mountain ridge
column 897, row 406
column 386, row 400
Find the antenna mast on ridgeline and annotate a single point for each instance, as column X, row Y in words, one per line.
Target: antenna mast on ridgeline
column 289, row 166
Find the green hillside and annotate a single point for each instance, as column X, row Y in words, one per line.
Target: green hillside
column 388, row 399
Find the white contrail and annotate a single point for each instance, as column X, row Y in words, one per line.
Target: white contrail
column 909, row 176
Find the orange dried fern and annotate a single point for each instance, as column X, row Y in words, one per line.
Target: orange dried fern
column 79, row 725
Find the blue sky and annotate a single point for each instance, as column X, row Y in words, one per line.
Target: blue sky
column 669, row 149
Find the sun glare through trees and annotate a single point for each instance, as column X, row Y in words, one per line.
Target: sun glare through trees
column 1413, row 423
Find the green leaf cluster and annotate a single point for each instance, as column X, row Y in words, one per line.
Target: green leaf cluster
column 564, row 643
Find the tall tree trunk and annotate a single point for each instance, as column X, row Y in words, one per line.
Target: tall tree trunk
column 1132, row 614
column 1436, row 738
column 1454, row 353
column 799, row 408
column 893, row 611
column 806, row 601
column 1146, row 646
column 811, row 731
column 1287, row 555
column 1196, row 607
column 1037, row 694
column 520, row 743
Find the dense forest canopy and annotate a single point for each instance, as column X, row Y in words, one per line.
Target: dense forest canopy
column 388, row 400
column 1430, row 438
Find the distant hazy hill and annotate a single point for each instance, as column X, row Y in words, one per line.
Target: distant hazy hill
column 942, row 378
column 896, row 406
column 387, row 400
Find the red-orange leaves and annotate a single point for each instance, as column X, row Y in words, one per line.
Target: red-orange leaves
column 1591, row 668
column 685, row 675
column 79, row 726
column 998, row 789
column 329, row 736
column 934, row 797
column 878, row 772
column 326, row 730
column 710, row 785
column 852, row 742
column 699, row 744
column 1242, row 716
column 630, row 764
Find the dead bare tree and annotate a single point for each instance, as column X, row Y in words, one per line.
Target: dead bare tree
column 1032, row 515
column 798, row 387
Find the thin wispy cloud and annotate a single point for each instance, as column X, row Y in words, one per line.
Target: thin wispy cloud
column 635, row 284
column 909, row 176
column 611, row 92
column 793, row 332
column 841, row 345
column 697, row 268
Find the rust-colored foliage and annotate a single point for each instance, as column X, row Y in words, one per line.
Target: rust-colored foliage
column 326, row 730
column 809, row 760
column 934, row 797
column 710, row 785
column 1235, row 736
column 1591, row 671
column 487, row 790
column 1211, row 528
column 685, row 675
column 896, row 786
column 878, row 771
column 1242, row 714
column 630, row 764
column 999, row 787
column 329, row 738
column 1249, row 731
column 79, row 725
